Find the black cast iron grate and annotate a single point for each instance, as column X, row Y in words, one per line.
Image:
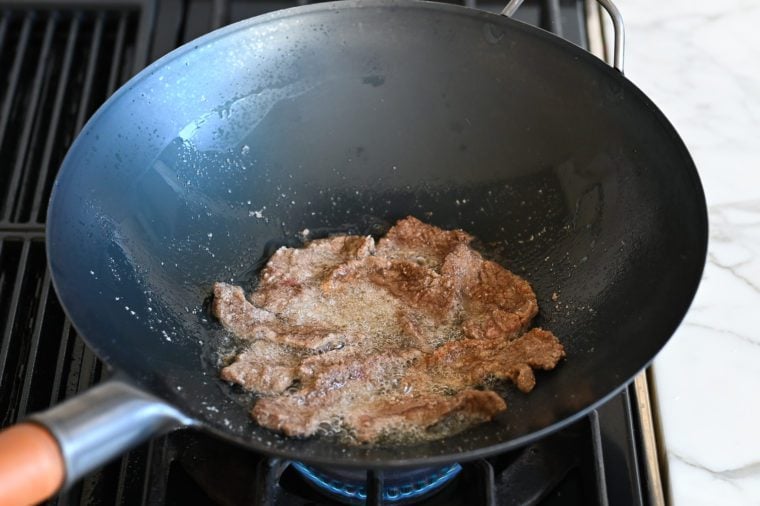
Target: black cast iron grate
column 594, row 461
column 59, row 66
column 60, row 60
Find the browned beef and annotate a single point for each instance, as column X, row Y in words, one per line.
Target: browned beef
column 390, row 391
column 296, row 266
column 468, row 362
column 250, row 322
column 333, row 385
column 237, row 314
column 263, row 367
column 330, row 371
column 496, row 302
column 417, row 286
column 381, row 340
column 417, row 414
column 414, row 241
column 355, row 393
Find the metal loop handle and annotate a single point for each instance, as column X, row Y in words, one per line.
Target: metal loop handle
column 617, row 23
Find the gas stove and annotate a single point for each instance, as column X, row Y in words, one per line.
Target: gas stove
column 597, row 460
column 61, row 60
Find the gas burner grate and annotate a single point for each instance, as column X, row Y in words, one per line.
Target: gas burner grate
column 59, row 66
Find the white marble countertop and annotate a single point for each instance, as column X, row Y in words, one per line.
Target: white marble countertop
column 700, row 63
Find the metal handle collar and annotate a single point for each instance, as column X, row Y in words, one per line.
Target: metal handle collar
column 105, row 421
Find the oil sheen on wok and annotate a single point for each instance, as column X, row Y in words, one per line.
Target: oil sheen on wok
column 396, row 341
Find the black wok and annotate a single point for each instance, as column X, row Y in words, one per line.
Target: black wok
column 344, row 117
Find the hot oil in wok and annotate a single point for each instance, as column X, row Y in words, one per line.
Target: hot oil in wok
column 388, row 343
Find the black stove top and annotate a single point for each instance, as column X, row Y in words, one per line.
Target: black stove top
column 594, row 461
column 60, row 61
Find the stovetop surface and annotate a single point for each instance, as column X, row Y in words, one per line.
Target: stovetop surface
column 60, row 60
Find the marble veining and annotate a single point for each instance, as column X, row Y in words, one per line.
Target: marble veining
column 700, row 63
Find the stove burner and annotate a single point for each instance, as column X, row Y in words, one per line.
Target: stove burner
column 349, row 486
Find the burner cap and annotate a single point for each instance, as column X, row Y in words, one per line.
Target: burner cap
column 350, row 486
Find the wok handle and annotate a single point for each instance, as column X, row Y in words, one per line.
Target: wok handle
column 617, row 23
column 57, row 447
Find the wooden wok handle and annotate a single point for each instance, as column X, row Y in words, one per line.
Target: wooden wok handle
column 31, row 465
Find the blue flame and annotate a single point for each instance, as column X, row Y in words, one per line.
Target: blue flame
column 391, row 494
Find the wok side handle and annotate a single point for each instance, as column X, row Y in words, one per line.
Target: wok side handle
column 617, row 23
column 71, row 439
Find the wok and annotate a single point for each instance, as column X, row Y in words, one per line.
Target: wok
column 343, row 117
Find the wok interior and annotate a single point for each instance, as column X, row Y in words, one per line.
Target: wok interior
column 345, row 120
